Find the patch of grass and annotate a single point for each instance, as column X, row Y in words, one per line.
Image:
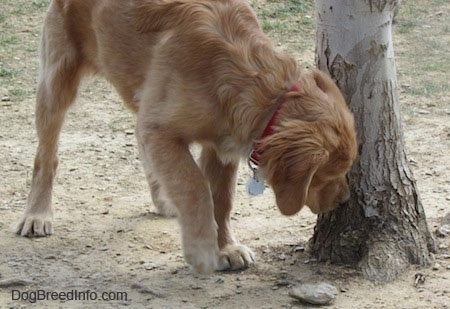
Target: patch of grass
column 32, row 6
column 39, row 4
column 431, row 89
column 436, row 65
column 410, row 17
column 19, row 94
column 32, row 48
column 423, row 31
column 446, row 29
column 287, row 16
column 275, row 25
column 435, row 44
column 7, row 40
column 406, row 26
column 7, row 73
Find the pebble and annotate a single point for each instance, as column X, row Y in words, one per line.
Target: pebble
column 7, row 283
column 436, row 266
column 444, row 230
column 149, row 266
column 146, row 290
column 315, row 294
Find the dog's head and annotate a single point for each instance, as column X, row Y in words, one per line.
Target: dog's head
column 312, row 147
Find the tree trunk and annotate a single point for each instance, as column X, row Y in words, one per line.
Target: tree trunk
column 383, row 228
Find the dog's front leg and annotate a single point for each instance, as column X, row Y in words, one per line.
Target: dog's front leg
column 187, row 190
column 222, row 179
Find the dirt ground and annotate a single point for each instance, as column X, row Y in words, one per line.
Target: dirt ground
column 108, row 241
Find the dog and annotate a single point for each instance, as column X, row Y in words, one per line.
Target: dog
column 195, row 71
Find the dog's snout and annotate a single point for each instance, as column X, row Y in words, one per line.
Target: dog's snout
column 344, row 198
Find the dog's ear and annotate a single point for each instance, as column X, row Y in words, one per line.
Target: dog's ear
column 291, row 191
column 290, row 159
column 313, row 82
column 323, row 81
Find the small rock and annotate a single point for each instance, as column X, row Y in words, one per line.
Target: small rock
column 436, row 266
column 146, row 290
column 283, row 282
column 7, row 283
column 419, row 279
column 149, row 266
column 443, row 230
column 316, row 294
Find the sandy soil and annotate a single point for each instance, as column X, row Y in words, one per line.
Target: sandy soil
column 108, row 238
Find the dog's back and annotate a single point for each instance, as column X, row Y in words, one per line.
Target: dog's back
column 213, row 45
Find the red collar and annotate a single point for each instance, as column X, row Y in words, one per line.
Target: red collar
column 255, row 156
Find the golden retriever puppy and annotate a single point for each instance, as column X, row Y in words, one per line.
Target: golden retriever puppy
column 195, row 71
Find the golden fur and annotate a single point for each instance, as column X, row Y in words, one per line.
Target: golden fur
column 194, row 71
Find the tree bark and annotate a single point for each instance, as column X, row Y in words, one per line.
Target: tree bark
column 383, row 228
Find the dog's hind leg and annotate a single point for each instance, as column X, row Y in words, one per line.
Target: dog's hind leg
column 56, row 90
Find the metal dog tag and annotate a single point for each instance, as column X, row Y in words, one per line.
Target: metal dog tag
column 255, row 187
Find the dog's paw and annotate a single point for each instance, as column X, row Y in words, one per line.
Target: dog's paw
column 235, row 257
column 202, row 253
column 35, row 225
column 164, row 209
column 202, row 260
